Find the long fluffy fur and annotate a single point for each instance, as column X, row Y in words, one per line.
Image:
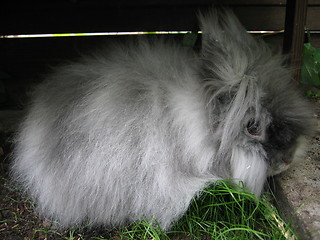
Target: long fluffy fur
column 138, row 131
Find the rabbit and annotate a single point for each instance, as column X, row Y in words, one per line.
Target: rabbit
column 137, row 130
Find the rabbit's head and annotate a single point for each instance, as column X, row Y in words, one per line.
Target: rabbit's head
column 257, row 115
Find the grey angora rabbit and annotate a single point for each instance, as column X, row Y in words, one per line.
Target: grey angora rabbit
column 137, row 131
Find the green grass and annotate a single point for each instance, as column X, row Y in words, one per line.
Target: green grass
column 220, row 212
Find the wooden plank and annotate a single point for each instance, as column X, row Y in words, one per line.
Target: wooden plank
column 110, row 16
column 38, row 4
column 123, row 3
column 313, row 18
column 294, row 33
column 129, row 19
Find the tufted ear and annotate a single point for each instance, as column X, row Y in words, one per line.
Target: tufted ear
column 222, row 29
column 228, row 51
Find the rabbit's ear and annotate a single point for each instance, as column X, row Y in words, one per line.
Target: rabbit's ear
column 222, row 30
column 228, row 51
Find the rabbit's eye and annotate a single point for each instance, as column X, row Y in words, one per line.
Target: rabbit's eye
column 253, row 128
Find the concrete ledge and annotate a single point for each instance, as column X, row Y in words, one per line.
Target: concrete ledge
column 298, row 190
column 298, row 194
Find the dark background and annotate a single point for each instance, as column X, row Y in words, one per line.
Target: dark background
column 23, row 61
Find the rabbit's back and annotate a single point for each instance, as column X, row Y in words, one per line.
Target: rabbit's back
column 104, row 137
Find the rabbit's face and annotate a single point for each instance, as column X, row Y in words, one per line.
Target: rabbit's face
column 261, row 128
column 280, row 159
column 279, row 140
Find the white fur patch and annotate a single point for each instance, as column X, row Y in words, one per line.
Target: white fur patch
column 250, row 168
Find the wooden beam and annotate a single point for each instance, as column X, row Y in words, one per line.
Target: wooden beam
column 296, row 14
column 65, row 16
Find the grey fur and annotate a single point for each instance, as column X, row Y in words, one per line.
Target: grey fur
column 138, row 131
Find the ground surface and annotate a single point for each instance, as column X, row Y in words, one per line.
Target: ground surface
column 298, row 190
